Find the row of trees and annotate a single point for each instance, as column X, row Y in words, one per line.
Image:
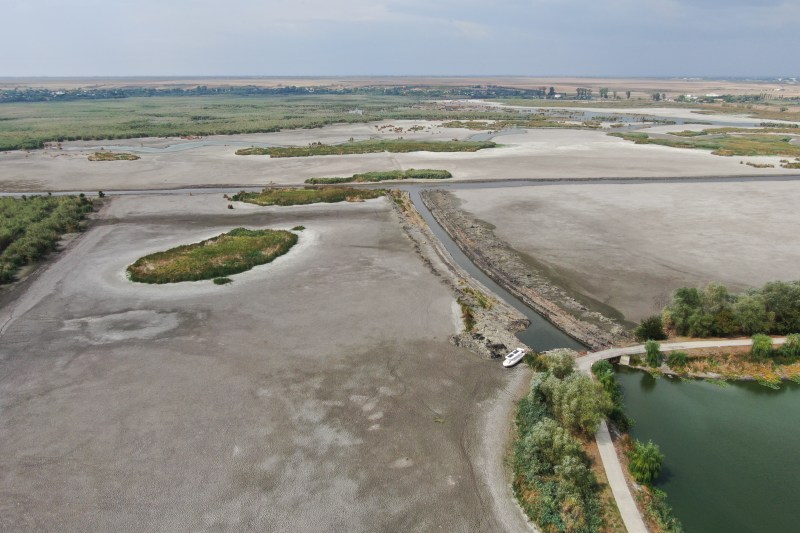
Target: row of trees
column 715, row 311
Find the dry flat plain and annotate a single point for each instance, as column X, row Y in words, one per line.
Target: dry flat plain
column 315, row 393
column 531, row 154
column 629, row 245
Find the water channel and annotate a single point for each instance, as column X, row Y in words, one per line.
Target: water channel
column 731, row 451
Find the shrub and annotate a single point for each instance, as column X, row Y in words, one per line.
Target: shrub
column 645, row 461
column 298, row 228
column 651, row 329
column 604, row 371
column 677, row 360
column 653, row 353
column 762, row 346
column 222, row 281
column 792, row 346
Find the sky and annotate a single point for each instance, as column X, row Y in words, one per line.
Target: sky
column 400, row 37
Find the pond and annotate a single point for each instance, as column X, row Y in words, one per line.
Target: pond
column 731, row 451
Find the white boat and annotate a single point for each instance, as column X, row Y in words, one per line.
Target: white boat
column 514, row 357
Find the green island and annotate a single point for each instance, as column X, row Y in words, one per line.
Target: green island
column 725, row 144
column 229, row 253
column 540, row 122
column 310, row 195
column 369, row 147
column 112, row 156
column 30, row 227
column 389, row 175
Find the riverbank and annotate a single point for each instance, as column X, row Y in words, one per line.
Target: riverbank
column 490, row 325
column 507, row 268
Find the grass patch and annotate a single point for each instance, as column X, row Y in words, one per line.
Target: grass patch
column 30, row 227
column 410, row 174
column 298, row 228
column 308, row 195
column 222, row 281
column 541, row 121
column 370, row 147
column 467, row 315
column 725, row 145
column 112, row 156
column 230, row 253
column 759, row 165
column 483, row 301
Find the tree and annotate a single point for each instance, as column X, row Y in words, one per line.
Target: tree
column 645, row 461
column 751, row 315
column 628, row 95
column 551, row 93
column 577, row 402
column 653, row 353
column 651, row 328
column 657, row 97
column 604, row 92
column 762, row 346
column 561, row 363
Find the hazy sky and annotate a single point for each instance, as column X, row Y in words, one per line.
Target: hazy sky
column 397, row 37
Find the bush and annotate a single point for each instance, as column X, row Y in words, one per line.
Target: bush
column 645, row 461
column 677, row 360
column 762, row 346
column 651, row 328
column 653, row 353
column 792, row 346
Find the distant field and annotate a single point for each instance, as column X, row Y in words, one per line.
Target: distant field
column 30, row 125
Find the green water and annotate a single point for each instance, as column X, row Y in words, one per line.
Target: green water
column 732, row 453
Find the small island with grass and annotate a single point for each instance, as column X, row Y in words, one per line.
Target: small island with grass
column 237, row 251
column 369, row 147
column 389, row 175
column 286, row 196
column 113, row 156
column 724, row 142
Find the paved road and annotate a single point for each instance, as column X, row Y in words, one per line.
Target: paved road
column 633, row 520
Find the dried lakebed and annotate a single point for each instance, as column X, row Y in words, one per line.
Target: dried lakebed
column 293, row 396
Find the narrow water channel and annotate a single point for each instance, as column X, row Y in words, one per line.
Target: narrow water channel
column 541, row 334
column 731, row 451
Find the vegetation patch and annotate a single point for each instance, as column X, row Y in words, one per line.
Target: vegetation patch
column 760, row 165
column 716, row 312
column 553, row 476
column 393, row 175
column 230, row 253
column 305, row 196
column 725, row 145
column 222, row 281
column 30, row 227
column 369, row 147
column 539, row 121
column 113, row 156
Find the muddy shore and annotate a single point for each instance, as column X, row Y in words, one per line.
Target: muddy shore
column 506, row 267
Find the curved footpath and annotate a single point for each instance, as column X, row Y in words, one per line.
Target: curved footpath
column 626, row 503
